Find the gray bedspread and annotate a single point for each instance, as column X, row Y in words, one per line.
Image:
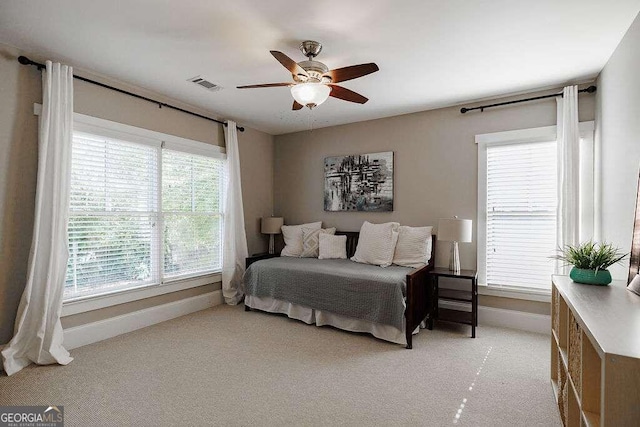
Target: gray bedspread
column 339, row 286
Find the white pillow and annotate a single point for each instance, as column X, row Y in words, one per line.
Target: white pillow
column 377, row 243
column 414, row 246
column 310, row 240
column 293, row 238
column 634, row 285
column 332, row 247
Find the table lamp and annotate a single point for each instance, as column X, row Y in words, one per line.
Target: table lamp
column 271, row 226
column 454, row 230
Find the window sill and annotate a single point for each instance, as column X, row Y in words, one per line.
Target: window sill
column 97, row 302
column 525, row 294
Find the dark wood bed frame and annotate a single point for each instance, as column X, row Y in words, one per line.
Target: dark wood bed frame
column 419, row 287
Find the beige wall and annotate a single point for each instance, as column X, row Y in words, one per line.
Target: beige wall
column 20, row 87
column 435, row 169
column 256, row 158
column 618, row 135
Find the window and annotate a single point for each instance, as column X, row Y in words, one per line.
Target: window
column 521, row 214
column 113, row 210
column 517, row 205
column 142, row 212
column 191, row 208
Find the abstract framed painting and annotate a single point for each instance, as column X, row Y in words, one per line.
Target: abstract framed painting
column 359, row 183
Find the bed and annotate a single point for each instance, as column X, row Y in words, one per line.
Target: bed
column 389, row 303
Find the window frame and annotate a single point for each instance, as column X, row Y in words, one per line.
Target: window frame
column 588, row 208
column 107, row 128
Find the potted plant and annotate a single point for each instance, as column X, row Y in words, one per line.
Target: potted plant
column 590, row 261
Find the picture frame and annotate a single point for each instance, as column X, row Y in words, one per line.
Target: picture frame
column 359, row 182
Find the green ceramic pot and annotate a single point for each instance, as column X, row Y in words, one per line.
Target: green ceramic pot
column 590, row 277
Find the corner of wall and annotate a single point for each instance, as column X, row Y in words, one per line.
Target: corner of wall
column 617, row 136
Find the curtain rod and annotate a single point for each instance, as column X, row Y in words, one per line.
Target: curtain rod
column 463, row 110
column 26, row 61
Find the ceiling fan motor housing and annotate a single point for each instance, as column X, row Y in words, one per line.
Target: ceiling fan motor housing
column 315, row 70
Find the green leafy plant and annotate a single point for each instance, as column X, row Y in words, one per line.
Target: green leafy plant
column 590, row 255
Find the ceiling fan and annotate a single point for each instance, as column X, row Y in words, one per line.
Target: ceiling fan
column 314, row 82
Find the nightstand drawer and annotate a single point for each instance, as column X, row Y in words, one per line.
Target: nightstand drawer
column 257, row 257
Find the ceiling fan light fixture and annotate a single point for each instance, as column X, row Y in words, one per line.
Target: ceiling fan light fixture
column 310, row 94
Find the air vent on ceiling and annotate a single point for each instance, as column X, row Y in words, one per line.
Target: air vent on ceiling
column 200, row 81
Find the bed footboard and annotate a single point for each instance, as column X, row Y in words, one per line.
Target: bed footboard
column 419, row 296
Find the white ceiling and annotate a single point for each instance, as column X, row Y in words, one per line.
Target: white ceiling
column 431, row 53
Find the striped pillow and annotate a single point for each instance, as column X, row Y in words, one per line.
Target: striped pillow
column 292, row 235
column 414, row 246
column 377, row 243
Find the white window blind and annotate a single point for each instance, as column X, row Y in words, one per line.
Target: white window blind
column 113, row 210
column 191, row 201
column 521, row 214
column 141, row 215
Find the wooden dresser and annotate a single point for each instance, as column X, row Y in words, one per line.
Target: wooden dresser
column 595, row 353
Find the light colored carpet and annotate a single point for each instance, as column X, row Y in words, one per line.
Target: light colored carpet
column 224, row 366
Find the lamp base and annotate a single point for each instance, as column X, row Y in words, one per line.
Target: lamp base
column 272, row 249
column 454, row 258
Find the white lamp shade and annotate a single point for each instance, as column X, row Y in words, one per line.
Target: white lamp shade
column 455, row 230
column 310, row 94
column 271, row 225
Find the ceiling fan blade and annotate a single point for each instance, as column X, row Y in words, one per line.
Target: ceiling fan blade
column 296, row 105
column 352, row 72
column 346, row 94
column 265, row 85
column 288, row 63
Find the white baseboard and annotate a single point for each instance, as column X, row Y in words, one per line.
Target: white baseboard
column 514, row 319
column 90, row 333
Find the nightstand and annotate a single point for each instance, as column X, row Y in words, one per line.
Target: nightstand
column 257, row 257
column 460, row 296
